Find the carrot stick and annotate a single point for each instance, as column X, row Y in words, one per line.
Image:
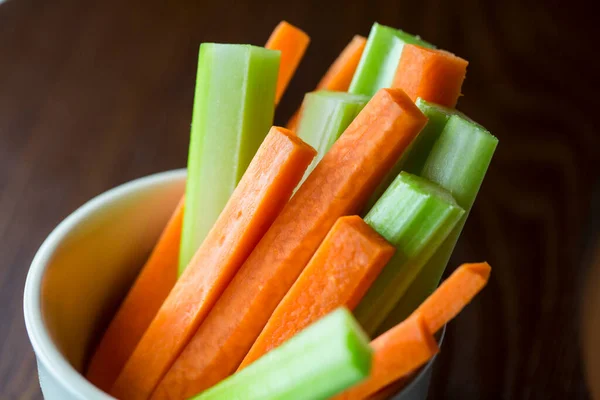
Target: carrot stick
column 394, row 388
column 434, row 75
column 378, row 63
column 453, row 295
column 339, row 273
column 339, row 185
column 340, row 73
column 292, row 123
column 445, row 303
column 261, row 194
column 397, row 353
column 292, row 42
column 141, row 304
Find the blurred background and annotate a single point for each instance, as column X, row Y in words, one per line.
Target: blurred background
column 96, row 93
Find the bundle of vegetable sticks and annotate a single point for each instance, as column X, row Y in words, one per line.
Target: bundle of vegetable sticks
column 292, row 246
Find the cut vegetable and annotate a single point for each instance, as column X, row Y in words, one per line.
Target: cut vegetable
column 434, row 75
column 338, row 186
column 292, row 42
column 340, row 272
column 325, row 116
column 262, row 193
column 394, row 388
column 443, row 305
column 453, row 295
column 438, row 116
column 379, row 60
column 414, row 157
column 339, row 74
column 233, row 110
column 415, row 216
column 458, row 162
column 152, row 286
column 398, row 352
column 327, row 357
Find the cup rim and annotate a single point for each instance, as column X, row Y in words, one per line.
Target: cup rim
column 44, row 347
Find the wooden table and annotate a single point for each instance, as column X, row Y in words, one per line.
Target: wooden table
column 96, row 93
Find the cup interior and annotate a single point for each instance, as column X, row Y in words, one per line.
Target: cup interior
column 84, row 268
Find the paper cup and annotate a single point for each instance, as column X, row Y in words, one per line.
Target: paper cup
column 84, row 268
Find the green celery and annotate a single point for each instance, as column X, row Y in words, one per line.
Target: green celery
column 324, row 359
column 413, row 159
column 415, row 216
column 378, row 63
column 458, row 162
column 325, row 115
column 233, row 111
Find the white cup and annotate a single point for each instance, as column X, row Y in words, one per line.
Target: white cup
column 83, row 270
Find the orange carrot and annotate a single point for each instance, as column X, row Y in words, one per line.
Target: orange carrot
column 339, row 273
column 340, row 73
column 292, row 123
column 262, row 192
column 292, row 42
column 394, row 388
column 339, row 185
column 453, row 294
column 145, row 297
column 443, row 305
column 397, row 353
column 153, row 286
column 434, row 75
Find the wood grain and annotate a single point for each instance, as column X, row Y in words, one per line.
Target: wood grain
column 96, row 93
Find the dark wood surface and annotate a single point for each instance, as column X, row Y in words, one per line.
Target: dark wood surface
column 96, row 93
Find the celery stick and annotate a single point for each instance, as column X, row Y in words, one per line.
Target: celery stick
column 325, row 115
column 415, row 216
column 377, row 66
column 414, row 160
column 414, row 157
column 324, row 359
column 458, row 162
column 233, row 111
